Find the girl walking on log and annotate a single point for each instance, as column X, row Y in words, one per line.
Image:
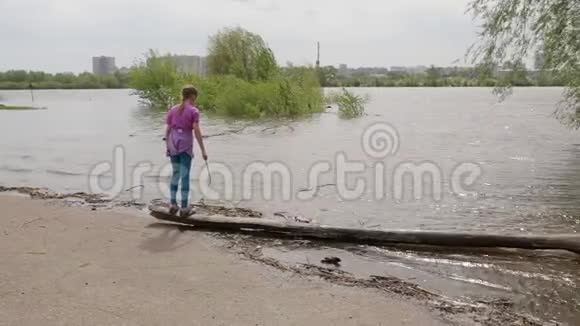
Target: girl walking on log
column 182, row 125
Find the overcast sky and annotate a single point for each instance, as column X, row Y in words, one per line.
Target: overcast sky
column 63, row 35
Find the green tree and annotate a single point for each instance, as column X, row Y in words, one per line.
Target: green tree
column 122, row 78
column 155, row 80
column 37, row 76
column 516, row 74
column 235, row 51
column 513, row 30
column 266, row 66
column 88, row 81
column 17, row 76
column 327, row 75
column 64, row 78
column 433, row 76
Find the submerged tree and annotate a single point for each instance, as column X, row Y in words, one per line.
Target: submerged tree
column 514, row 29
column 235, row 51
column 155, row 80
column 349, row 104
column 244, row 81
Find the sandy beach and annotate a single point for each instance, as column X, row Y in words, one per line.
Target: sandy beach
column 73, row 266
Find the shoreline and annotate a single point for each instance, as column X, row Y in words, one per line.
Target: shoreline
column 72, row 265
column 432, row 306
column 26, row 89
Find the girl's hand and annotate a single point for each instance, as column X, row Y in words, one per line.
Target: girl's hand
column 204, row 155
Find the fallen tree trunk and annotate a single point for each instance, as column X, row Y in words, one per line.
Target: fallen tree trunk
column 365, row 236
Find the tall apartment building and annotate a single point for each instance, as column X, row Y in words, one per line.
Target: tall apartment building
column 104, row 65
column 190, row 64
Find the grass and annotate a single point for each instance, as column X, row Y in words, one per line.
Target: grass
column 16, row 108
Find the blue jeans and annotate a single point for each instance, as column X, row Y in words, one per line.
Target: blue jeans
column 181, row 165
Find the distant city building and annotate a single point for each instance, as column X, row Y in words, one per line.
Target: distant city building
column 378, row 72
column 343, row 70
column 369, row 71
column 190, row 64
column 447, row 71
column 104, row 65
column 417, row 70
column 398, row 69
column 455, row 71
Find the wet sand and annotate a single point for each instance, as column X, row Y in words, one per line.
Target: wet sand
column 73, row 266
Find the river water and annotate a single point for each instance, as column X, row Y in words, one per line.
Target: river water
column 524, row 168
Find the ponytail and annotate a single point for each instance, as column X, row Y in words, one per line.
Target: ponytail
column 187, row 93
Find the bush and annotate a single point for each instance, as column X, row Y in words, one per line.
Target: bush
column 284, row 96
column 349, row 105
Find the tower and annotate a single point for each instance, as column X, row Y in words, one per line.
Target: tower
column 317, row 54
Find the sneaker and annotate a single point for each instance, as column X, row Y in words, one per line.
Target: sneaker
column 185, row 212
column 173, row 209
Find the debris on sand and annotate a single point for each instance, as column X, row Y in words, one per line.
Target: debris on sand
column 331, row 261
column 496, row 311
column 202, row 208
column 294, row 218
column 43, row 193
column 80, row 198
column 317, row 187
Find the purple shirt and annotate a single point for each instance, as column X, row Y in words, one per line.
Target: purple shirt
column 180, row 138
